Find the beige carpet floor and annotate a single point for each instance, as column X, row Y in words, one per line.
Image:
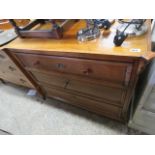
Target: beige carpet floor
column 26, row 115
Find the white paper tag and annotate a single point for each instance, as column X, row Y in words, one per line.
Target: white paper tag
column 32, row 92
column 135, row 50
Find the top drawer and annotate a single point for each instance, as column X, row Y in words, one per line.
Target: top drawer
column 104, row 70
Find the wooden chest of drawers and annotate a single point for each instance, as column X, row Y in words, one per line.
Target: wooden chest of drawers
column 96, row 84
column 95, row 76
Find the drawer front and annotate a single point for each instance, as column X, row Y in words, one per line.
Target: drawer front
column 12, row 74
column 85, row 103
column 19, row 80
column 53, row 80
column 7, row 66
column 110, row 95
column 104, row 70
column 115, row 96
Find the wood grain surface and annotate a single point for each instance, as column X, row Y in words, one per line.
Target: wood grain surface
column 94, row 75
column 103, row 45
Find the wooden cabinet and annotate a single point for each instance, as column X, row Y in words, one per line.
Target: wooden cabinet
column 95, row 75
column 99, row 85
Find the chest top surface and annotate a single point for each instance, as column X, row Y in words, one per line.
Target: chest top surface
column 133, row 46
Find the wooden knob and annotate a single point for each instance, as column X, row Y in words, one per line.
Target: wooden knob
column 88, row 71
column 23, row 81
column 60, row 66
column 36, row 63
column 12, row 68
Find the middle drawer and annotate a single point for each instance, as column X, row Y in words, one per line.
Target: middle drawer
column 115, row 96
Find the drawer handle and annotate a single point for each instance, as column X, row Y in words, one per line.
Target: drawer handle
column 88, row 71
column 12, row 68
column 23, row 81
column 36, row 63
column 60, row 66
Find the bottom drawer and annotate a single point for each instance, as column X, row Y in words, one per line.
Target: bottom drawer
column 115, row 96
column 85, row 103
